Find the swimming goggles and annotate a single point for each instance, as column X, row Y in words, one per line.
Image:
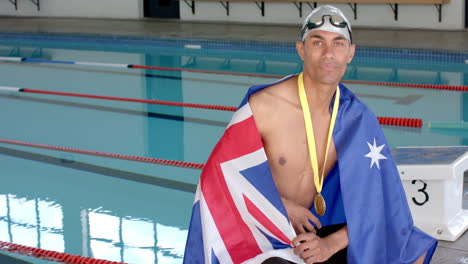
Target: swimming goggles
column 317, row 21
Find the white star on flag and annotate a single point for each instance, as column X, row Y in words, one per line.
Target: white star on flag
column 374, row 154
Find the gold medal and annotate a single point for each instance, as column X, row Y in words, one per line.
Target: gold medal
column 320, row 205
column 319, row 201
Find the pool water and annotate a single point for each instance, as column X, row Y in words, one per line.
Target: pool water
column 138, row 212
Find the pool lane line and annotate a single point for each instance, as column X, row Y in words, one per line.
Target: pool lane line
column 51, row 255
column 173, row 163
column 118, row 110
column 392, row 121
column 148, row 75
column 133, row 66
column 124, row 99
column 409, row 99
column 71, row 163
column 397, row 121
column 462, row 88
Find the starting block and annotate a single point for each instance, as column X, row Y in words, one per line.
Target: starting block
column 433, row 181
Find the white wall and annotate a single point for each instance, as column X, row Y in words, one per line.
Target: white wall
column 409, row 16
column 75, row 8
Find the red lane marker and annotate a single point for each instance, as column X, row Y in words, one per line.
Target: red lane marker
column 107, row 155
column 51, row 255
column 132, row 66
column 399, row 121
column 413, row 85
column 202, row 71
column 159, row 102
column 427, row 86
column 393, row 121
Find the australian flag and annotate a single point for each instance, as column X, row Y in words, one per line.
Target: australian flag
column 238, row 215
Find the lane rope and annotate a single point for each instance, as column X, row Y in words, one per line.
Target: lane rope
column 392, row 121
column 173, row 163
column 113, row 98
column 460, row 88
column 395, row 121
column 51, row 255
column 131, row 66
column 463, row 88
column 203, row 71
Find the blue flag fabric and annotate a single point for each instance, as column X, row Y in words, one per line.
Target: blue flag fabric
column 379, row 221
column 238, row 216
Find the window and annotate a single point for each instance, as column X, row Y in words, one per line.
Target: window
column 35, row 223
column 132, row 240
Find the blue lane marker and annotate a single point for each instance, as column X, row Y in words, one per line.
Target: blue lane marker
column 48, row 61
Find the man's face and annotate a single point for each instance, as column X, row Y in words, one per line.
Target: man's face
column 325, row 55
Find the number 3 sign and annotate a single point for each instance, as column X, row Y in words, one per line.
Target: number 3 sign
column 433, row 181
column 422, row 190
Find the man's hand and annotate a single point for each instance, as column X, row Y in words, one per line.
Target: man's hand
column 312, row 249
column 300, row 217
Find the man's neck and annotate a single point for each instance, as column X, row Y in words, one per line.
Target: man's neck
column 319, row 95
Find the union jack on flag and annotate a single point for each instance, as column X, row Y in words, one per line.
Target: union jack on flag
column 238, row 216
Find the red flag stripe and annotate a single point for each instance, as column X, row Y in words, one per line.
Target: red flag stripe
column 263, row 219
column 238, row 239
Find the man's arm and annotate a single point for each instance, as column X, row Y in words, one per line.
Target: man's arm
column 338, row 240
column 300, row 217
column 320, row 248
column 312, row 248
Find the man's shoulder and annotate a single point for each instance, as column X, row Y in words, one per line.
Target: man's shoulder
column 274, row 100
column 273, row 94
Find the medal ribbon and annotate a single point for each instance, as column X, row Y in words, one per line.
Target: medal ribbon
column 310, row 132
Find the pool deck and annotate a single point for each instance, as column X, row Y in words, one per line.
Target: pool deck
column 457, row 41
column 170, row 28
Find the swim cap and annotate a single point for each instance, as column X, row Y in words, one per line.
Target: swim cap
column 327, row 18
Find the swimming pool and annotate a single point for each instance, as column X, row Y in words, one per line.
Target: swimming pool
column 138, row 212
